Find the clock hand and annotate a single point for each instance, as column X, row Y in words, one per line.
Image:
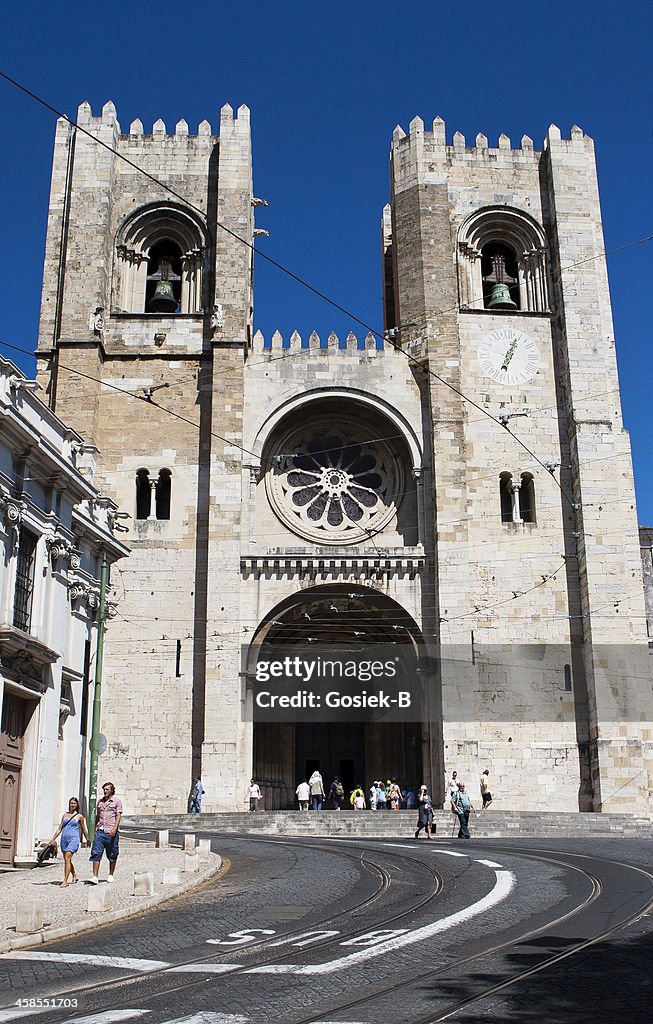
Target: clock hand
column 509, row 354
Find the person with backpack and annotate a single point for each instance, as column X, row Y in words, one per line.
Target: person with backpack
column 337, row 793
column 357, row 799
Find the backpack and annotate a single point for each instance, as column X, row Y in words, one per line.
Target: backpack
column 338, row 790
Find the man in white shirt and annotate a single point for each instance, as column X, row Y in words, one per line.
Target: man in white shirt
column 303, row 793
column 253, row 794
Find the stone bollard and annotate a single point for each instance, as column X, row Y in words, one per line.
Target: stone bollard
column 29, row 916
column 191, row 862
column 204, row 850
column 162, row 839
column 171, row 876
column 143, row 883
column 99, row 899
column 189, row 842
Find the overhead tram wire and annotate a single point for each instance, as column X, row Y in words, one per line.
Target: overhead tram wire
column 269, row 259
column 316, row 291
column 140, row 398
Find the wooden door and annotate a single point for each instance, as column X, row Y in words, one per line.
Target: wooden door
column 14, row 721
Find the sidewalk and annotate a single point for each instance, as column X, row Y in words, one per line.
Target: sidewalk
column 64, row 910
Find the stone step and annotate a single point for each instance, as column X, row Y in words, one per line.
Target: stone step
column 401, row 824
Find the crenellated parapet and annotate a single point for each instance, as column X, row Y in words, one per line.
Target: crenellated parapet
column 434, row 142
column 370, row 344
column 240, row 123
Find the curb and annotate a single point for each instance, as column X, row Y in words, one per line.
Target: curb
column 109, row 916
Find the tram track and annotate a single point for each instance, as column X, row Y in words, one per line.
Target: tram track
column 275, row 955
column 368, row 857
column 464, row 962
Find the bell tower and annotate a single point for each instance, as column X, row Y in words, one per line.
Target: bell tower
column 145, row 323
column 494, row 259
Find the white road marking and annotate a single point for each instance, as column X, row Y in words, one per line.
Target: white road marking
column 489, row 863
column 377, row 945
column 115, row 1016
column 203, row 968
column 126, row 963
column 108, row 1016
column 206, row 1017
column 502, row 887
column 449, row 853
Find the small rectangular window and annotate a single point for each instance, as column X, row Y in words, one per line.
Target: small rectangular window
column 25, row 569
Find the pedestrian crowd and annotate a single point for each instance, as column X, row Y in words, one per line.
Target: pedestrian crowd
column 311, row 795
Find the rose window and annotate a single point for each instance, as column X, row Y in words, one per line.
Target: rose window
column 332, row 485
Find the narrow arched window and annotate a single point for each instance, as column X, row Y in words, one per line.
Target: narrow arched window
column 163, row 490
column 505, row 497
column 163, row 290
column 143, row 494
column 500, row 275
column 527, row 498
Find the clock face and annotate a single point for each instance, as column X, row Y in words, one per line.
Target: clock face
column 509, row 356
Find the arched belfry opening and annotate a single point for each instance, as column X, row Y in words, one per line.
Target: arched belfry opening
column 340, row 621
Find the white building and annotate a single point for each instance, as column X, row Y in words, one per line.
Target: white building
column 54, row 530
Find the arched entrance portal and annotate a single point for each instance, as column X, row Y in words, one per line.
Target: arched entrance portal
column 339, row 619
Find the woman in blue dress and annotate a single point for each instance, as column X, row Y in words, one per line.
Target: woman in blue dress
column 70, row 826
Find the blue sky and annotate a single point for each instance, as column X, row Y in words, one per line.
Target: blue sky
column 326, row 84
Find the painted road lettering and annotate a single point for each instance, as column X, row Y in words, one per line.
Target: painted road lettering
column 373, row 938
column 242, row 937
column 307, row 938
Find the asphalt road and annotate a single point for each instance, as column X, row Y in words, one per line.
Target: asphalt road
column 314, row 930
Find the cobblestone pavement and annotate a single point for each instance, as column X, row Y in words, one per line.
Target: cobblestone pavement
column 67, row 907
column 312, row 930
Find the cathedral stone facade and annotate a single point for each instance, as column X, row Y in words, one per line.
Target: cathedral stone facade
column 461, row 487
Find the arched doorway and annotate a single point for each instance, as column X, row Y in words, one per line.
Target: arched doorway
column 342, row 620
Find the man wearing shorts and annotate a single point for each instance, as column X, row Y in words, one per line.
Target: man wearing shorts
column 105, row 840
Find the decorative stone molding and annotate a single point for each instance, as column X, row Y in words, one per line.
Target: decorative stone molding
column 24, row 656
column 59, row 549
column 76, row 591
column 11, row 510
column 326, row 566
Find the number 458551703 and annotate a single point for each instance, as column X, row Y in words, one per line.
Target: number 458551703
column 37, row 1003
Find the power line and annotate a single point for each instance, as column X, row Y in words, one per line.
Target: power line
column 385, row 335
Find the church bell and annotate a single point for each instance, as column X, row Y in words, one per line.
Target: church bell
column 500, row 298
column 163, row 300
